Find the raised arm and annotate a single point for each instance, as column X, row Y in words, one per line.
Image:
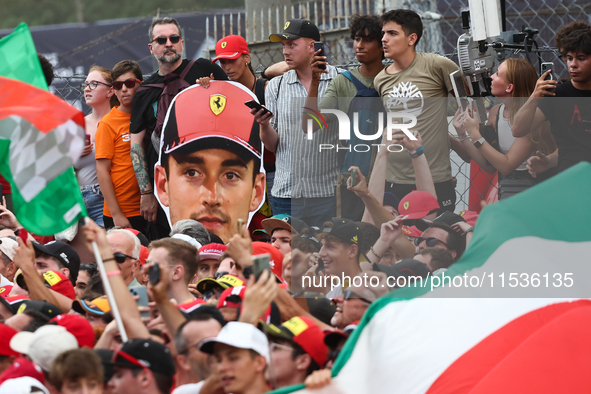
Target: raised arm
column 529, row 116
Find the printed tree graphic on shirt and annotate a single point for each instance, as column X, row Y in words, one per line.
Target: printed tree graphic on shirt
column 405, row 97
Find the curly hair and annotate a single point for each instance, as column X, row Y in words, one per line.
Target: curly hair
column 366, row 26
column 564, row 32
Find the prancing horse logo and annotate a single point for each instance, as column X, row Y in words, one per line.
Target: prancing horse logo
column 217, row 103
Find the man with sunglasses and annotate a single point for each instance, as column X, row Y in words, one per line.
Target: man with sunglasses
column 142, row 366
column 126, row 250
column 350, row 309
column 442, row 236
column 166, row 44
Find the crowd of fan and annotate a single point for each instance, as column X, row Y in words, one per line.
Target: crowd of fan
column 197, row 313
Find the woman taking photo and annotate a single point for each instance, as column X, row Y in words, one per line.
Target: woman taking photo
column 513, row 83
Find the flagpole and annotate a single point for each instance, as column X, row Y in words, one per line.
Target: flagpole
column 108, row 290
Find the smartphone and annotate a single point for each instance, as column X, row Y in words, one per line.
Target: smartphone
column 319, row 46
column 23, row 234
column 1, row 195
column 260, row 264
column 142, row 292
column 550, row 77
column 87, row 139
column 154, row 274
column 353, row 174
column 257, row 106
column 320, row 266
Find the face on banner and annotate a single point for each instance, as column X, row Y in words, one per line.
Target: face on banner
column 210, row 166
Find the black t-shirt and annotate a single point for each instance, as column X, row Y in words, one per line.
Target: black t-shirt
column 145, row 103
column 569, row 114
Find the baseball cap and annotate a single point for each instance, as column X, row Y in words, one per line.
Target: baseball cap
column 224, row 282
column 44, row 307
column 239, row 335
column 230, row 47
column 144, row 353
column 216, row 117
column 320, row 307
column 232, row 297
column 304, row 332
column 276, row 258
column 22, row 385
column 200, row 307
column 188, row 239
column 283, row 222
column 446, row 217
column 77, row 326
column 44, row 345
column 417, row 204
column 98, row 307
column 106, row 356
column 345, row 229
column 332, row 337
column 13, row 303
column 411, row 231
column 6, row 334
column 22, row 366
column 55, row 280
column 7, row 247
column 406, row 268
column 469, row 216
column 63, row 252
column 212, row 251
column 391, row 200
column 297, row 28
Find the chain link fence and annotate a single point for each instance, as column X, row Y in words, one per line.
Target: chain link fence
column 441, row 35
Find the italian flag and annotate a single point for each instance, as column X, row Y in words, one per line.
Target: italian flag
column 41, row 137
column 510, row 334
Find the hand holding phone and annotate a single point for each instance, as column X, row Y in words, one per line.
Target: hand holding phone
column 319, row 46
column 154, row 274
column 254, row 105
column 142, row 293
column 353, row 174
column 320, row 264
column 261, row 263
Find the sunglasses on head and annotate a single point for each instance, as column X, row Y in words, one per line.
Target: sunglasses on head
column 129, row 83
column 430, row 242
column 175, row 38
column 351, row 294
column 120, row 257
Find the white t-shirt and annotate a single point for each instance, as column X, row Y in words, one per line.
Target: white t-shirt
column 4, row 281
column 189, row 388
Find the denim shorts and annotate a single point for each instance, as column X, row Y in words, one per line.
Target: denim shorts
column 94, row 202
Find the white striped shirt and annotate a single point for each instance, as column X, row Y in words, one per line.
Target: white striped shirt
column 301, row 169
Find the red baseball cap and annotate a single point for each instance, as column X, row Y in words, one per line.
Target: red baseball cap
column 232, row 302
column 190, row 306
column 411, row 231
column 216, row 117
column 22, row 366
column 230, row 47
column 6, row 334
column 77, row 326
column 55, row 280
column 304, row 332
column 212, row 251
column 417, row 204
column 276, row 261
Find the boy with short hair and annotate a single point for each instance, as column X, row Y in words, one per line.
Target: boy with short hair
column 77, row 370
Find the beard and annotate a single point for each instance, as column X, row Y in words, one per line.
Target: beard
column 170, row 56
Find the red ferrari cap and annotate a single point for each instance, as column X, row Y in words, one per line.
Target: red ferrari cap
column 216, row 117
column 230, row 47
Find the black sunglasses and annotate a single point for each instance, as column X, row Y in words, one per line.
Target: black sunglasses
column 430, row 242
column 130, row 83
column 120, row 257
column 351, row 294
column 162, row 39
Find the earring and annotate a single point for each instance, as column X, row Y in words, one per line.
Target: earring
column 507, row 90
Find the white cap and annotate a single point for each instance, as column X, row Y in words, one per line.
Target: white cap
column 44, row 345
column 22, row 385
column 7, row 246
column 188, row 239
column 239, row 335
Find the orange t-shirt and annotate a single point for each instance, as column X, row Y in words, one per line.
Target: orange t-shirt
column 113, row 142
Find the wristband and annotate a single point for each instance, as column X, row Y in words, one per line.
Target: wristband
column 113, row 273
column 146, row 193
column 416, row 153
column 374, row 252
column 465, row 138
column 263, row 73
column 471, row 229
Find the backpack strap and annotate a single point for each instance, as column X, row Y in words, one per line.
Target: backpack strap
column 259, row 90
column 279, row 87
column 358, row 84
column 187, row 69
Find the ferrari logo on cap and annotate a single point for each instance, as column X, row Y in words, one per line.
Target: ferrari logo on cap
column 406, row 204
column 286, row 26
column 217, row 103
column 21, row 308
column 224, row 44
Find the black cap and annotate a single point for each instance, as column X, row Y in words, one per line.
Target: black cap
column 406, row 268
column 320, row 307
column 203, row 309
column 446, row 217
column 297, row 28
column 150, row 354
column 64, row 253
column 106, row 356
column 44, row 307
column 215, row 239
column 345, row 229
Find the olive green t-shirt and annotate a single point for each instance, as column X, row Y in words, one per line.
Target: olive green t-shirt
column 341, row 91
column 426, row 83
